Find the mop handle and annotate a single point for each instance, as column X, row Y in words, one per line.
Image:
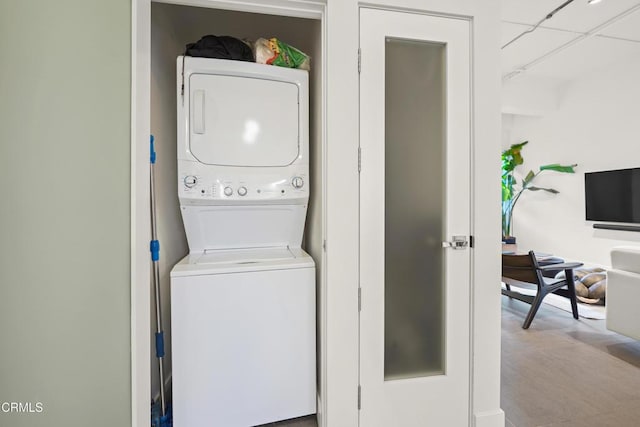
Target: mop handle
column 152, row 147
column 155, row 243
column 154, row 247
column 152, row 161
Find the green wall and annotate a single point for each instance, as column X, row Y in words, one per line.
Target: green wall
column 65, row 211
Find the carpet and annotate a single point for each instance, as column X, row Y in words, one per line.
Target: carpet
column 588, row 311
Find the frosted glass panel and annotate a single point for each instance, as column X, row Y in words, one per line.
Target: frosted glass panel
column 415, row 124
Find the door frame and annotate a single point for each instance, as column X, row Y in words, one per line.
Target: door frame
column 485, row 298
column 472, row 187
column 140, row 194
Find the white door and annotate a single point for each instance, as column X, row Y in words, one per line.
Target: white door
column 414, row 198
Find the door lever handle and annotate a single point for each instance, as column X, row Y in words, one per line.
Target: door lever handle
column 457, row 242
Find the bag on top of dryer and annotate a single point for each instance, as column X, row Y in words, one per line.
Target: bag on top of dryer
column 221, row 47
column 275, row 52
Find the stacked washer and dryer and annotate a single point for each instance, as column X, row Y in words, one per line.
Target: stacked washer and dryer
column 243, row 299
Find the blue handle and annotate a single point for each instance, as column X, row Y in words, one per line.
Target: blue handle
column 155, row 250
column 159, row 344
column 153, row 151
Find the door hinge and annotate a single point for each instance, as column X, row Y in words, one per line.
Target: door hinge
column 471, row 242
column 324, row 245
column 359, row 60
column 359, row 299
column 359, row 159
column 359, row 397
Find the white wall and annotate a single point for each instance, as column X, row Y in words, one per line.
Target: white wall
column 172, row 27
column 595, row 125
column 65, row 212
column 533, row 96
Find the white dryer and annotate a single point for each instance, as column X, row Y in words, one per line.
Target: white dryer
column 243, row 301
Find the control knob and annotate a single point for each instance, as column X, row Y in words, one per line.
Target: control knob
column 190, row 181
column 297, row 182
column 228, row 191
column 242, row 191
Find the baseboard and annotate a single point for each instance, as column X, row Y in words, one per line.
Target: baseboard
column 319, row 412
column 489, row 419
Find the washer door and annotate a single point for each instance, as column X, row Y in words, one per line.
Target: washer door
column 243, row 121
column 245, row 256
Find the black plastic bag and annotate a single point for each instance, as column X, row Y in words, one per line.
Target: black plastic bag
column 222, row 47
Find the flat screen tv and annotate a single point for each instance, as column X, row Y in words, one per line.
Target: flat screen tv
column 613, row 196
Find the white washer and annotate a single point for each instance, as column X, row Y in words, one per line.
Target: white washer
column 243, row 301
column 243, row 338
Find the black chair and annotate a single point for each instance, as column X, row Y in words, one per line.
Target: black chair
column 549, row 260
column 523, row 270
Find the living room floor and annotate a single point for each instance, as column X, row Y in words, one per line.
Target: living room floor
column 567, row 372
column 561, row 372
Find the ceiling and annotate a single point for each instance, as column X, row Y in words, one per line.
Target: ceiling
column 579, row 39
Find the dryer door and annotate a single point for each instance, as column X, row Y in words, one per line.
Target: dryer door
column 243, row 121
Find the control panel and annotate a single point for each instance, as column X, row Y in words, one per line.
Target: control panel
column 224, row 185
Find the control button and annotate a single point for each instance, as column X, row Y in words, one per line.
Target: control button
column 228, row 191
column 297, row 182
column 190, row 181
column 242, row 191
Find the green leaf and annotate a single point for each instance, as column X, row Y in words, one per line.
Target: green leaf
column 506, row 194
column 550, row 190
column 517, row 157
column 518, row 146
column 528, row 178
column 559, row 168
column 511, row 157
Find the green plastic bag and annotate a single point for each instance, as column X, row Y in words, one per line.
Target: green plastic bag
column 276, row 52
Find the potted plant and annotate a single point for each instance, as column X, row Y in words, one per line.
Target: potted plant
column 511, row 191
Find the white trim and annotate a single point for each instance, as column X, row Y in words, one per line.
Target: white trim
column 292, row 8
column 140, row 222
column 472, row 205
column 323, row 327
column 140, row 198
column 489, row 419
column 134, row 319
column 414, row 11
column 319, row 415
column 486, row 263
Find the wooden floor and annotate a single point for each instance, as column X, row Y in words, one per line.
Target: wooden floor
column 560, row 372
column 566, row 372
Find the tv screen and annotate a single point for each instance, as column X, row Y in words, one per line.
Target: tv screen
column 613, row 196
